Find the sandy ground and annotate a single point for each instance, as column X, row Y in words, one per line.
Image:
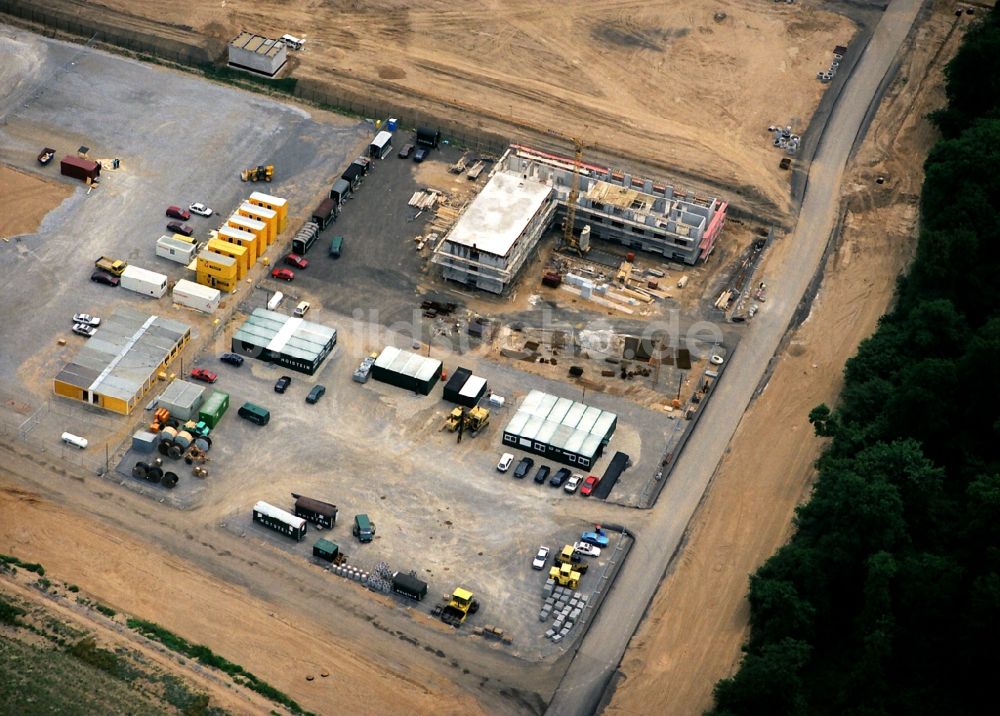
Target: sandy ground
column 628, row 77
column 698, row 619
column 25, row 200
column 130, row 575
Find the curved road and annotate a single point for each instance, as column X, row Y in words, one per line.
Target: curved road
column 659, row 532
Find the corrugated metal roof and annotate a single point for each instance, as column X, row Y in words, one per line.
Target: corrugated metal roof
column 181, row 393
column 516, row 424
column 604, row 424
column 288, row 335
column 589, row 418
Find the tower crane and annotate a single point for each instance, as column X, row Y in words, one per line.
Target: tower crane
column 569, row 238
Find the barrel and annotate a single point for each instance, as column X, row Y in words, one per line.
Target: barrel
column 630, row 256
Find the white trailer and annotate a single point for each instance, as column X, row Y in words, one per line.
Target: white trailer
column 148, row 283
column 381, row 145
column 194, row 295
column 175, row 249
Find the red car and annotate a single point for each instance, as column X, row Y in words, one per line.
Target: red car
column 283, row 274
column 296, row 261
column 589, row 484
column 175, row 212
column 204, row 375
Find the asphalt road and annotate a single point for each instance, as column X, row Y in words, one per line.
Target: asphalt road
column 602, row 649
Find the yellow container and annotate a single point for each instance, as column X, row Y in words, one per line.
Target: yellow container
column 242, row 238
column 264, row 215
column 274, row 203
column 226, row 248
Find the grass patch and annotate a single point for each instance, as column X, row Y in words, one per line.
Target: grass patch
column 106, row 611
column 9, row 613
column 9, row 560
column 207, row 657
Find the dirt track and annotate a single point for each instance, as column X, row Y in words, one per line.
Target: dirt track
column 685, row 85
column 698, row 620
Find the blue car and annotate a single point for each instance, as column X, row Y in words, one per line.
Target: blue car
column 598, row 537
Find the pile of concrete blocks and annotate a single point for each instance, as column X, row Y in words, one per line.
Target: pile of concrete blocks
column 566, row 605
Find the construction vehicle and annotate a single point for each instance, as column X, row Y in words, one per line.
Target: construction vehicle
column 259, row 173
column 115, row 267
column 458, row 608
column 574, row 559
column 566, row 575
column 569, row 238
column 471, row 421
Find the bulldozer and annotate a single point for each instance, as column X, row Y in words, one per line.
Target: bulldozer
column 458, row 608
column 471, row 421
column 566, row 575
column 258, row 173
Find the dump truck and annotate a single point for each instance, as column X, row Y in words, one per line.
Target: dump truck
column 474, row 420
column 459, row 607
column 565, row 575
column 259, row 173
column 112, row 266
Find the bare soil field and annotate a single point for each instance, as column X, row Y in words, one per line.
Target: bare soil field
column 684, row 85
column 25, row 199
column 698, row 619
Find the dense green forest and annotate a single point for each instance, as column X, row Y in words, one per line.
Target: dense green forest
column 887, row 598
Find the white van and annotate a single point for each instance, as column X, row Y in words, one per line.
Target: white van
column 293, row 43
column 76, row 440
column 302, row 309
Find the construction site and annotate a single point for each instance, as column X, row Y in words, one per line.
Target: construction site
column 421, row 390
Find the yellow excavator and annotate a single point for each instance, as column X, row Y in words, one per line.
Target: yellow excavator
column 471, row 421
column 258, row 173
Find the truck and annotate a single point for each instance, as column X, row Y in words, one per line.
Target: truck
column 263, row 172
column 409, row 585
column 321, row 514
column 116, row 267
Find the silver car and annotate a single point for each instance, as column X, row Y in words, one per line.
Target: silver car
column 573, row 482
column 84, row 330
column 86, row 319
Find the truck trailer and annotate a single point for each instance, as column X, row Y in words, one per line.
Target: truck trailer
column 148, row 283
column 280, row 521
column 321, row 514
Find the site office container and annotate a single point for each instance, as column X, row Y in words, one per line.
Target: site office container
column 428, row 137
column 254, row 413
column 254, row 226
column 217, row 271
column 254, row 248
column 325, row 549
column 321, row 514
column 409, row 586
column 214, row 407
column 79, row 168
column 275, row 203
column 235, row 251
column 278, row 520
column 140, row 280
column 193, row 295
column 325, row 214
column 172, row 249
column 262, row 214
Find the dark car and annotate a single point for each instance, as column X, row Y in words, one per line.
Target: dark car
column 562, row 474
column 179, row 228
column 175, row 212
column 405, row 152
column 283, row 382
column 542, row 474
column 523, row 467
column 105, row 278
column 296, row 261
column 232, row 359
column 316, row 393
column 420, row 155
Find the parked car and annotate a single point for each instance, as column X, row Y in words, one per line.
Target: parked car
column 104, row 277
column 315, row 394
column 420, row 155
column 542, row 474
column 587, row 549
column 573, row 483
column 541, row 558
column 282, row 384
column 405, row 152
column 506, row 460
column 562, row 474
column 232, row 359
column 204, row 375
column 589, row 484
column 363, row 371
column 87, row 319
column 84, row 330
column 523, row 467
column 283, row 273
column 179, row 228
column 296, row 261
column 598, row 537
column 175, row 212
column 199, row 209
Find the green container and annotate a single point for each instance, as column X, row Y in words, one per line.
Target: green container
column 214, row 407
column 325, row 549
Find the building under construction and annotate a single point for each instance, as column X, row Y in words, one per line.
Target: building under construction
column 528, row 189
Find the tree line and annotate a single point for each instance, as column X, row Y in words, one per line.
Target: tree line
column 886, row 600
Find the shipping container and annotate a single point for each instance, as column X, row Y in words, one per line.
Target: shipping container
column 340, row 191
column 409, row 586
column 325, row 549
column 194, row 295
column 325, row 214
column 455, row 383
column 280, row 521
column 214, row 407
column 381, row 145
column 148, row 283
column 79, row 168
column 321, row 514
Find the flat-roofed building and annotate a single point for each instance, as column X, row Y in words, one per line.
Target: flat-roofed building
column 257, row 53
column 284, row 340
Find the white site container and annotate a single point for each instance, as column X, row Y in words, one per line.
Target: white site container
column 194, row 295
column 174, row 249
column 140, row 280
